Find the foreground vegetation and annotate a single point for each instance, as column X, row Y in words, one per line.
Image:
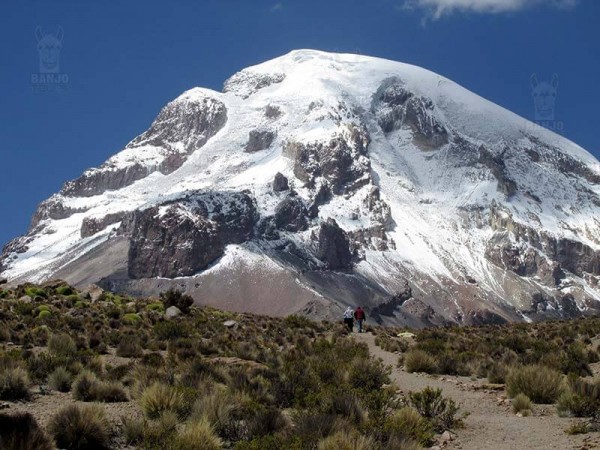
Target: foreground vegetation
column 546, row 363
column 194, row 378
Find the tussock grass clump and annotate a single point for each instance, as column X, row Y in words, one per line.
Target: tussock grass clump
column 80, row 427
column 14, row 384
column 197, row 435
column 540, row 383
column 88, row 388
column 20, row 431
column 419, row 361
column 580, row 399
column 408, row 423
column 60, row 380
column 159, row 398
column 521, row 404
column 347, row 441
column 62, row 345
column 129, row 347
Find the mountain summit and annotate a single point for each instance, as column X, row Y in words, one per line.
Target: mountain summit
column 317, row 180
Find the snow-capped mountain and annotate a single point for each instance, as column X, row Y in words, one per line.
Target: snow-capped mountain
column 317, row 180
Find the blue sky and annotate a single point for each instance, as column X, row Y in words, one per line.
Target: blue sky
column 126, row 59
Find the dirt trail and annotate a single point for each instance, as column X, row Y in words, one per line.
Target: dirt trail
column 491, row 423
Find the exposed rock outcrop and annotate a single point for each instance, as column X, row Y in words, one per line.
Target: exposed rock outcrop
column 280, row 183
column 396, row 107
column 333, row 246
column 183, row 237
column 291, row 214
column 93, row 225
column 259, row 140
column 341, row 161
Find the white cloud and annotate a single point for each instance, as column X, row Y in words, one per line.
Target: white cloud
column 439, row 8
column 277, row 7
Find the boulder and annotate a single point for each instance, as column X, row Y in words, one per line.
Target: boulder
column 290, row 215
column 333, row 246
column 230, row 323
column 280, row 183
column 172, row 311
column 259, row 140
column 3, row 281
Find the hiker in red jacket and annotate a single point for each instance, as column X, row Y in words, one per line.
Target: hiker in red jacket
column 360, row 316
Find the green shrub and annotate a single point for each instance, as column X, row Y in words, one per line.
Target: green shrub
column 44, row 314
column 368, row 374
column 132, row 318
column 419, row 361
column 197, row 435
column 156, row 306
column 60, row 380
column 440, row 411
column 540, row 383
column 35, row 292
column 159, row 398
column 174, row 297
column 14, row 384
column 65, row 290
column 521, row 404
column 20, row 431
column 62, row 345
column 80, row 427
column 408, row 423
column 343, row 440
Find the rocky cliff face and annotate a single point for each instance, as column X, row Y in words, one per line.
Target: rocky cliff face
column 318, row 180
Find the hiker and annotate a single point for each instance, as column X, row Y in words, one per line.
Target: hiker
column 360, row 317
column 349, row 318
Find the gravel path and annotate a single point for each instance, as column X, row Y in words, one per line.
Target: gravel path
column 491, row 423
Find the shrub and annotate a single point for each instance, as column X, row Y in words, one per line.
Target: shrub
column 35, row 292
column 497, row 373
column 14, row 384
column 368, row 374
column 62, row 345
column 174, row 297
column 132, row 318
column 197, row 435
column 168, row 330
column 60, row 380
column 347, row 441
column 129, row 347
column 80, row 427
column 540, row 383
column 156, row 306
column 419, row 361
column 159, row 398
column 44, row 314
column 408, row 423
column 20, row 431
column 433, row 406
column 65, row 290
column 521, row 404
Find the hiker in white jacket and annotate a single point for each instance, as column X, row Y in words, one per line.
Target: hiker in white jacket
column 349, row 318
